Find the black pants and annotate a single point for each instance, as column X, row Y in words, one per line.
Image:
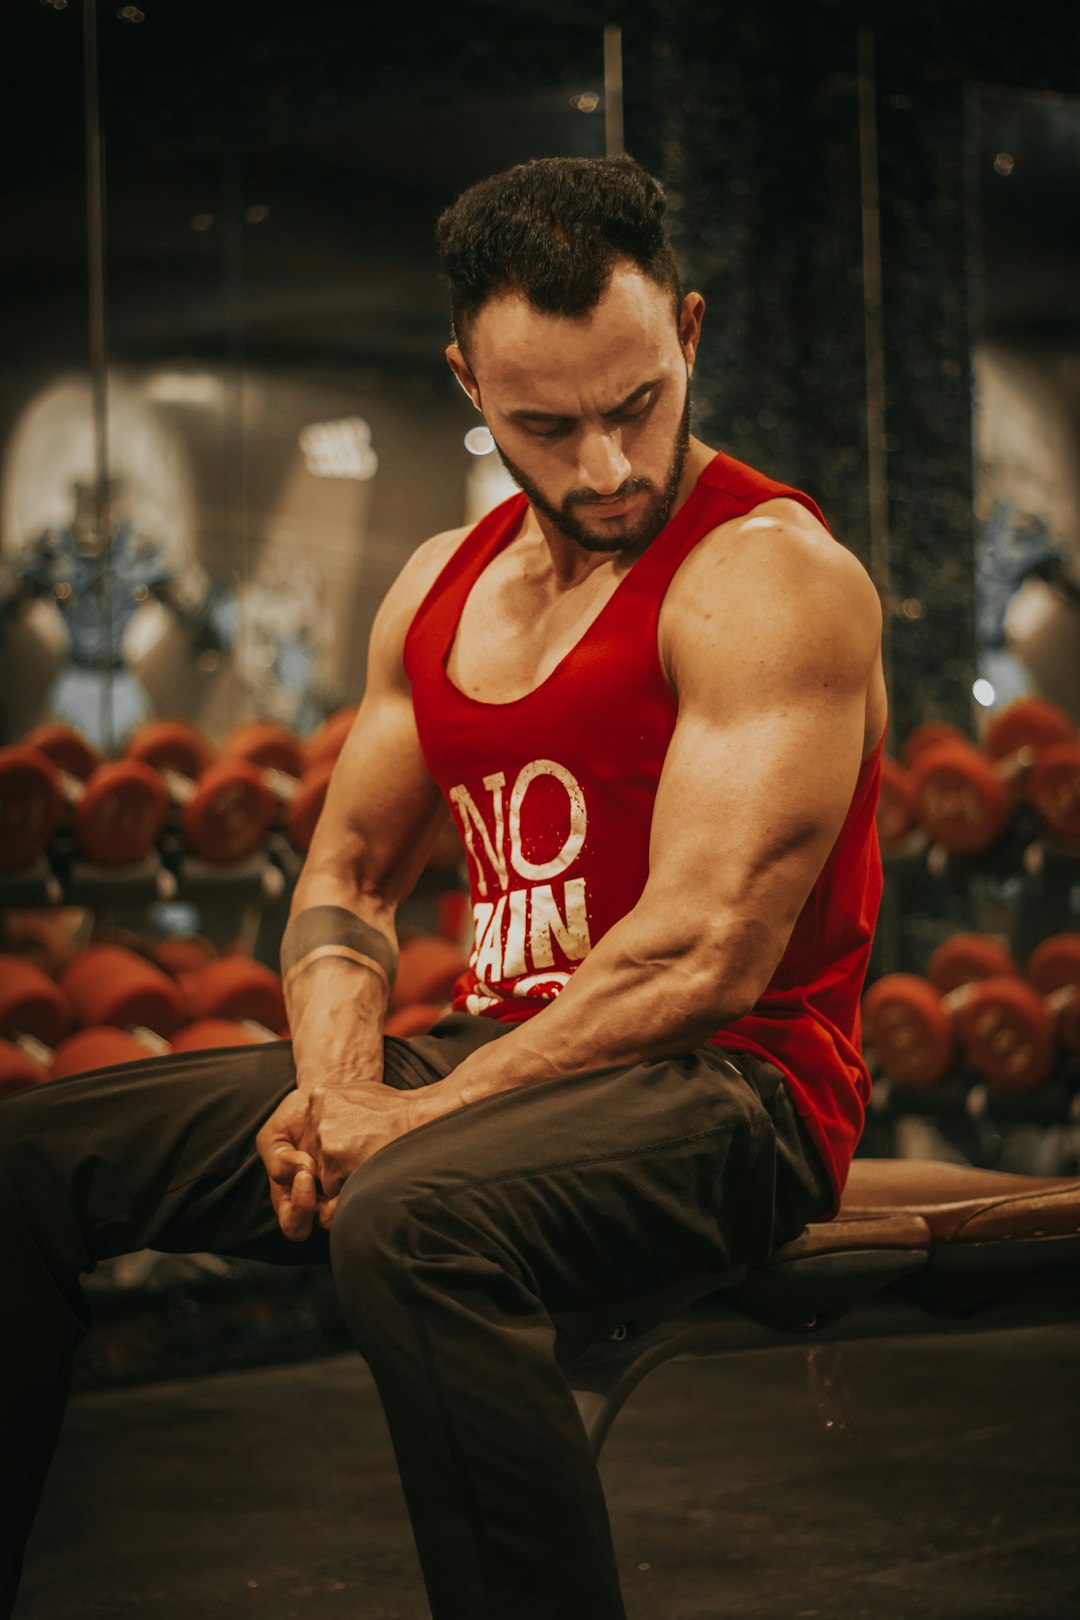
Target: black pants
column 449, row 1250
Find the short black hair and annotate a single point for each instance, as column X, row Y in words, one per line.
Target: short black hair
column 552, row 230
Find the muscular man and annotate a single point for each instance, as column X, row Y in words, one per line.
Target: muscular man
column 649, row 689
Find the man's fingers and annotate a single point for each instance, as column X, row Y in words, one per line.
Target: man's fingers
column 295, row 1224
column 295, row 1216
column 326, row 1212
column 330, row 1181
column 285, row 1160
column 303, row 1189
column 293, row 1191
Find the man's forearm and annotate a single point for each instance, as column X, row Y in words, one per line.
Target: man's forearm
column 629, row 1001
column 339, row 957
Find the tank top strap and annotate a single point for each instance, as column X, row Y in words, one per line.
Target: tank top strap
column 725, row 489
column 438, row 613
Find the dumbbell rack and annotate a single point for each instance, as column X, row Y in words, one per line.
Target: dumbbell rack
column 1026, row 887
column 236, row 892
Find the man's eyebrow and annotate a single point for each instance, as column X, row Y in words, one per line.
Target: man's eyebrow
column 526, row 415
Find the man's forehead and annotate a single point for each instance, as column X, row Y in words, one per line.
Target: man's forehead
column 509, row 334
column 546, row 363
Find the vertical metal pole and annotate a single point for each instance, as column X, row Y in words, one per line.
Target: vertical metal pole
column 877, row 471
column 613, row 91
column 890, row 934
column 99, row 349
column 236, row 436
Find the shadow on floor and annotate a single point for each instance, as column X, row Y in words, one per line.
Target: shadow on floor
column 933, row 1480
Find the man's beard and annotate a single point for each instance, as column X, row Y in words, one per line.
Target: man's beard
column 640, row 534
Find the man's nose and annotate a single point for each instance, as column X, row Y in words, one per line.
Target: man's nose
column 602, row 467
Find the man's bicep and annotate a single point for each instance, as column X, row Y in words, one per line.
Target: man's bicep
column 383, row 810
column 749, row 806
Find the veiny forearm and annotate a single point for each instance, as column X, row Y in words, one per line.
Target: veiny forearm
column 639, row 994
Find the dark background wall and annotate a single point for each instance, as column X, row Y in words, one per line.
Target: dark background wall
column 752, row 116
column 358, row 124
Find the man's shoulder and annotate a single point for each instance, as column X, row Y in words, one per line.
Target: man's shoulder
column 398, row 607
column 773, row 572
column 778, row 549
column 421, row 570
column 431, row 557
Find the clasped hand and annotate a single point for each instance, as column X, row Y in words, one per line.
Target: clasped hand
column 317, row 1137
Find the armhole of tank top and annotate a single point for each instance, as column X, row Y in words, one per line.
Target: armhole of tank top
column 748, row 481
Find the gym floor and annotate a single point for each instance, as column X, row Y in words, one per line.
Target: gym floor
column 920, row 1479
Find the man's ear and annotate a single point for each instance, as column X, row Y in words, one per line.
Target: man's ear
column 690, row 319
column 458, row 364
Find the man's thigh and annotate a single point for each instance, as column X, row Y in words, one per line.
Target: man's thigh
column 607, row 1186
column 161, row 1153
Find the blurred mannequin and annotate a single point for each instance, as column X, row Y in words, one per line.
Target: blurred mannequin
column 1027, row 611
column 1043, row 629
column 98, row 581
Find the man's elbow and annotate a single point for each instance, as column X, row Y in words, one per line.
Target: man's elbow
column 732, row 974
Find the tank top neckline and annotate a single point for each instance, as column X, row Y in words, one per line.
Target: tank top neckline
column 503, row 535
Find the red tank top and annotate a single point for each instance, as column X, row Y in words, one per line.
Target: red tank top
column 553, row 795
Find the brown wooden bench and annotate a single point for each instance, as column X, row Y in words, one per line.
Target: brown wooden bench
column 918, row 1247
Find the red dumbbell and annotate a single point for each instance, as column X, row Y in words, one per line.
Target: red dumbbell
column 299, row 788
column 45, row 939
column 87, row 1049
column 427, row 968
column 968, row 958
column 18, row 1070
column 1054, row 790
column 1015, row 1029
column 274, row 749
column 297, row 778
column 224, row 806
column 415, row 1019
column 182, row 953
column 34, row 1015
column 67, row 748
column 897, row 812
column 102, row 1046
column 898, row 802
column 172, row 746
column 111, row 985
column 1054, row 970
column 963, row 801
column 31, row 805
column 321, row 751
column 965, row 796
column 206, row 1034
column 235, row 987
column 913, row 1024
column 1017, row 736
column 117, row 809
column 31, row 1003
column 925, row 736
column 121, row 813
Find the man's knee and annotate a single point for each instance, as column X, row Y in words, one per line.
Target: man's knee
column 402, row 1214
column 372, row 1212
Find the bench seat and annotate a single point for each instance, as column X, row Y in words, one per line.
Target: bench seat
column 917, row 1247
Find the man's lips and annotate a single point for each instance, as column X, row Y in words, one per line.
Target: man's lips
column 611, row 505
